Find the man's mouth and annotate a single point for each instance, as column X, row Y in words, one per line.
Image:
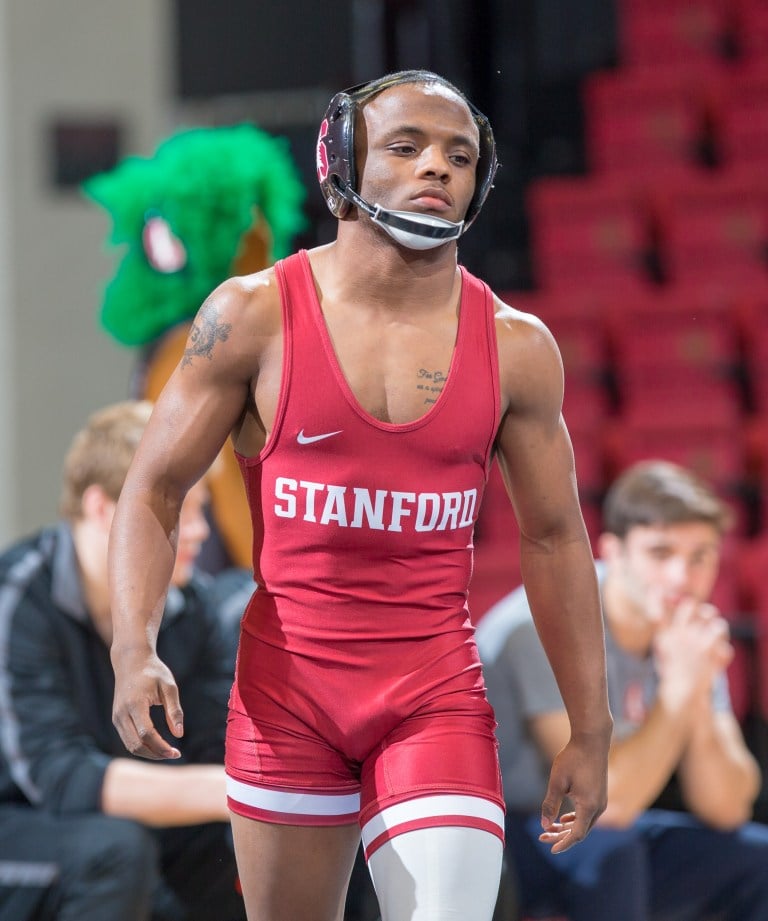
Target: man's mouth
column 432, row 200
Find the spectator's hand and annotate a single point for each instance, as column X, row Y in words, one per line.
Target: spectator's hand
column 691, row 649
column 579, row 772
column 143, row 681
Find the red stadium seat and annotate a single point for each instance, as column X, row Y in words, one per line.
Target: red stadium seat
column 679, row 396
column 732, row 298
column 659, row 340
column 719, row 221
column 582, row 346
column 591, row 303
column 756, row 354
column 658, row 31
column 585, row 230
column 738, row 116
column 715, row 451
column 750, row 29
column 751, row 567
column 586, row 406
column 639, row 120
column 496, row 569
column 687, row 302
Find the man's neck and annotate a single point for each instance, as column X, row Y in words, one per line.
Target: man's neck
column 91, row 553
column 389, row 273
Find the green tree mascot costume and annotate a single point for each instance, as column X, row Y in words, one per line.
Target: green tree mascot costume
column 210, row 203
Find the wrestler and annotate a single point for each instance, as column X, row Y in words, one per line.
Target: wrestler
column 367, row 385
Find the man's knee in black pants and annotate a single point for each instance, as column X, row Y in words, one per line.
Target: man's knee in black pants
column 109, row 869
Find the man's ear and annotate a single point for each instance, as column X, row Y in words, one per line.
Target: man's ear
column 609, row 546
column 97, row 506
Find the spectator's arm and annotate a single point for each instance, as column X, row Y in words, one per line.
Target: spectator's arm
column 550, row 732
column 719, row 777
column 163, row 795
column 640, row 765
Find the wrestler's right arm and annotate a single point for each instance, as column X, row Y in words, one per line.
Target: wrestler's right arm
column 209, row 396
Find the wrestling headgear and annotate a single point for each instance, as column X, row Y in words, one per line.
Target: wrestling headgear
column 337, row 174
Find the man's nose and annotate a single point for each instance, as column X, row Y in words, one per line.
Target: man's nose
column 677, row 572
column 433, row 162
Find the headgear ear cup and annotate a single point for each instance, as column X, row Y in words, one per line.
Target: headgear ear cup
column 486, row 165
column 336, row 152
column 336, row 171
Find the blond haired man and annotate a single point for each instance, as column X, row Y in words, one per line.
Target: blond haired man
column 99, row 834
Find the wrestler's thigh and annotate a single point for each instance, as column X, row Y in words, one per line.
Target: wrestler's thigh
column 294, row 871
column 438, row 874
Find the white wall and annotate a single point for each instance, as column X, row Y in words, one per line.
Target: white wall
column 7, row 424
column 86, row 58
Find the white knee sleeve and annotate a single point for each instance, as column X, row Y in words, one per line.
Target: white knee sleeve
column 438, row 874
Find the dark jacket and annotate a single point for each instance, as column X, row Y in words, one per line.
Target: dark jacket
column 57, row 684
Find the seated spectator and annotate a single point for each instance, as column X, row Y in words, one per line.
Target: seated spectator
column 88, row 832
column 667, row 654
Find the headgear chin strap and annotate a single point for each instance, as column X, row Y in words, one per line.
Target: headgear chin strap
column 408, row 228
column 417, row 231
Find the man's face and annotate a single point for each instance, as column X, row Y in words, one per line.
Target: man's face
column 658, row 566
column 418, row 148
column 193, row 531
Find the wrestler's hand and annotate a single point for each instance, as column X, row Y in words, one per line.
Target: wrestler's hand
column 142, row 681
column 559, row 833
column 579, row 773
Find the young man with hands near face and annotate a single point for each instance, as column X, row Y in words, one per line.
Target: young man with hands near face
column 667, row 650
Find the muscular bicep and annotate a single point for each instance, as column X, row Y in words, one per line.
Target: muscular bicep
column 192, row 418
column 533, row 446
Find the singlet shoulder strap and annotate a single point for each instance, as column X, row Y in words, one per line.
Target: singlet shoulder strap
column 297, row 289
column 288, row 273
column 479, row 302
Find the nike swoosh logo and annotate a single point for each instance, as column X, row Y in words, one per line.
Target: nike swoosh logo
column 309, row 439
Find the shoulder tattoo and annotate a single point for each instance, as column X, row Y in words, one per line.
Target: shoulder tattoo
column 206, row 331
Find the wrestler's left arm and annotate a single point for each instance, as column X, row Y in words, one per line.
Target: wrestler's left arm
column 536, row 459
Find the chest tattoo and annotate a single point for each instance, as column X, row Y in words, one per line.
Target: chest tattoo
column 430, row 383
